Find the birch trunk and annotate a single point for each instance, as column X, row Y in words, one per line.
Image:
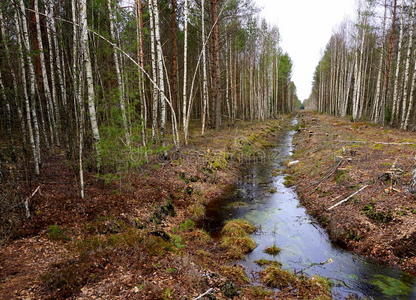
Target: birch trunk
column 50, row 107
column 377, row 101
column 155, row 103
column 31, row 115
column 185, row 73
column 406, row 71
column 160, row 71
column 89, row 79
column 140, row 59
column 396, row 104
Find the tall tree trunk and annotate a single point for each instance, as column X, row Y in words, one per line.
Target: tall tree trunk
column 155, row 103
column 30, row 100
column 406, row 71
column 90, row 82
column 140, row 59
column 396, row 104
column 185, row 74
column 118, row 74
column 216, row 98
column 174, row 54
column 50, row 106
column 204, row 69
column 160, row 59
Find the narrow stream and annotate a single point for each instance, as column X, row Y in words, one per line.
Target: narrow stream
column 305, row 245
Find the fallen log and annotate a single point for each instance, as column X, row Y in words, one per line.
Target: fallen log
column 348, row 198
column 204, row 294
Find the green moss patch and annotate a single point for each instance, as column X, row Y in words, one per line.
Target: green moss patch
column 272, row 250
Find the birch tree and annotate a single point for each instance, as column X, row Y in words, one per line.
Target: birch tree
column 89, row 79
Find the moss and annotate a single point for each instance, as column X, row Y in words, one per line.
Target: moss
column 198, row 237
column 56, row 233
column 353, row 235
column 272, row 250
column 196, row 211
column 266, row 262
column 322, row 282
column 273, row 190
column 289, row 181
column 216, row 161
column 177, row 241
column 257, row 292
column 276, row 277
column 187, row 225
column 276, row 172
column 235, row 273
column 236, row 204
column 237, row 227
column 378, row 216
column 105, row 225
column 342, row 176
column 238, row 246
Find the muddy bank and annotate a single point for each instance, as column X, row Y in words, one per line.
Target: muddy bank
column 378, row 222
column 136, row 238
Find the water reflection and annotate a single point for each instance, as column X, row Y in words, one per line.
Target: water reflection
column 305, row 245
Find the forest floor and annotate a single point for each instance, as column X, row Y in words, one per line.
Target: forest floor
column 378, row 222
column 138, row 238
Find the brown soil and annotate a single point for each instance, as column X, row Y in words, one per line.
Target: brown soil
column 134, row 239
column 379, row 222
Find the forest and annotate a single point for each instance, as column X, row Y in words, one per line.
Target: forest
column 158, row 149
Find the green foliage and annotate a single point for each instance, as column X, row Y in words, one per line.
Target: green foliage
column 378, row 216
column 56, row 233
column 390, row 286
column 187, row 225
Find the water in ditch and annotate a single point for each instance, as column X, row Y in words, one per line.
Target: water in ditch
column 305, row 245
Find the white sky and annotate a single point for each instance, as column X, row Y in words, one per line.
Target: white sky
column 305, row 28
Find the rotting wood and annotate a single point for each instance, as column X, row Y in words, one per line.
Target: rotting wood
column 27, row 202
column 348, row 198
column 204, row 294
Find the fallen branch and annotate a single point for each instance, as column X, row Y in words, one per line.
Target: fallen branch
column 327, row 175
column 204, row 294
column 27, row 202
column 370, row 142
column 348, row 198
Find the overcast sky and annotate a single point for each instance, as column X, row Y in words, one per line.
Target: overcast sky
column 305, row 28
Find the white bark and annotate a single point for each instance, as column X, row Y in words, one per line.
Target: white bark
column 31, row 115
column 204, row 69
column 412, row 97
column 185, row 73
column 396, row 105
column 155, row 101
column 377, row 101
column 59, row 62
column 50, row 107
column 160, row 71
column 406, row 71
column 89, row 78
